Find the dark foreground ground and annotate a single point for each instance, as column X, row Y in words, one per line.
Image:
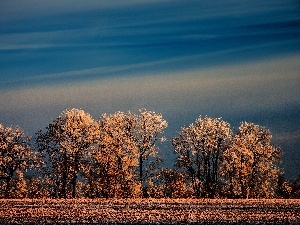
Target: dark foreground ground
column 149, row 211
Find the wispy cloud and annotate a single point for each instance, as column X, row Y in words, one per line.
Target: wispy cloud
column 170, row 65
column 255, row 85
column 173, row 35
column 19, row 9
column 287, row 137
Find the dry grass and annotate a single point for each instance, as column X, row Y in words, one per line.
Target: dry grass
column 135, row 211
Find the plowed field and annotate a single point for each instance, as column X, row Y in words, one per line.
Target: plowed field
column 149, row 211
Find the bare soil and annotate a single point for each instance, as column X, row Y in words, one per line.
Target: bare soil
column 149, row 211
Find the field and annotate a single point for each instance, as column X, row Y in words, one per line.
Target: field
column 149, row 211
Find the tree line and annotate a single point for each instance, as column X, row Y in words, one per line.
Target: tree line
column 117, row 156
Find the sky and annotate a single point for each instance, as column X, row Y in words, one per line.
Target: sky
column 235, row 59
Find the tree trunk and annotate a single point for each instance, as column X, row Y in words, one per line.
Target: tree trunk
column 63, row 192
column 8, row 182
column 74, row 179
column 141, row 174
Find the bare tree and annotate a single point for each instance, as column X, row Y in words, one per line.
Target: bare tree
column 251, row 164
column 200, row 147
column 16, row 156
column 65, row 145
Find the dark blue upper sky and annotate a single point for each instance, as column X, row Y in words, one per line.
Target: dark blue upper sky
column 233, row 59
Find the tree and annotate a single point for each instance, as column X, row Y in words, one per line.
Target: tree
column 200, row 147
column 37, row 187
column 284, row 187
column 169, row 183
column 251, row 163
column 295, row 188
column 65, row 144
column 16, row 156
column 126, row 141
column 114, row 159
column 148, row 128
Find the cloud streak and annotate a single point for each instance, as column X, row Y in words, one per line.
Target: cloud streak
column 243, row 87
column 18, row 9
column 168, row 36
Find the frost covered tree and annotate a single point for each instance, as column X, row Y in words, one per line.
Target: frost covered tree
column 16, row 156
column 65, row 145
column 148, row 130
column 37, row 187
column 169, row 183
column 251, row 163
column 114, row 159
column 126, row 141
column 295, row 188
column 200, row 147
column 284, row 187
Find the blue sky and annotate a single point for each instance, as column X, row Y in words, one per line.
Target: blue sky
column 239, row 60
